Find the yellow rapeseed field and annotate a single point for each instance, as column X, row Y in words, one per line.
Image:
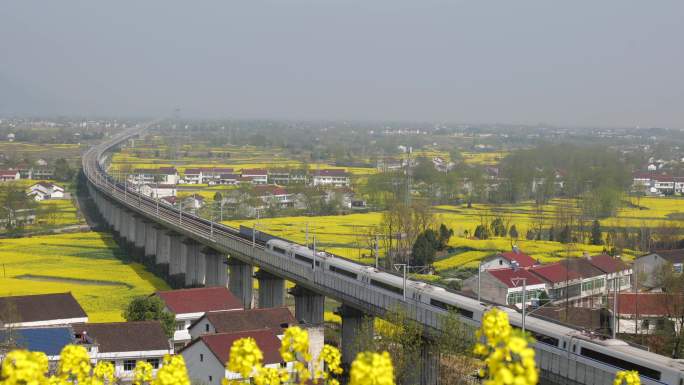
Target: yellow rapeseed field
column 82, row 263
column 345, row 235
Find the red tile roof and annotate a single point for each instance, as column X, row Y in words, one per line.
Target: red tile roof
column 507, row 276
column 199, row 300
column 267, row 340
column 652, row 304
column 607, row 264
column 554, row 272
column 269, row 189
column 523, row 259
column 277, row 319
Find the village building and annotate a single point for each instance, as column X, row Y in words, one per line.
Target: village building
column 646, row 313
column 40, row 310
column 505, row 286
column 206, row 357
column 648, row 267
column 507, row 260
column 257, row 176
column 190, row 304
column 45, row 190
column 9, row 175
column 158, row 190
column 330, row 177
column 124, row 343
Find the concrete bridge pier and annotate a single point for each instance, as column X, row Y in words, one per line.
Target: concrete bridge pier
column 116, row 221
column 162, row 257
column 150, row 244
column 216, row 273
column 357, row 327
column 190, row 254
column 429, row 363
column 176, row 262
column 128, row 231
column 309, row 306
column 140, row 236
column 271, row 290
column 240, row 281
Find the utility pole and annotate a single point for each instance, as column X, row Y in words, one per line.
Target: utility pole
column 479, row 286
column 524, row 297
column 403, row 266
column 616, row 322
column 307, row 235
column 314, row 252
column 376, row 251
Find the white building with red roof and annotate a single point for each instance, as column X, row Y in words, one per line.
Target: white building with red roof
column 206, row 356
column 330, row 177
column 9, row 175
column 508, row 259
column 191, row 304
column 505, row 286
column 646, row 312
column 256, row 175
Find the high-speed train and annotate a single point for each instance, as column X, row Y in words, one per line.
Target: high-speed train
column 551, row 337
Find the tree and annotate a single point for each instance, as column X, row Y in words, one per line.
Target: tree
column 672, row 284
column 424, row 248
column 63, row 172
column 530, row 235
column 552, row 233
column 481, row 232
column 218, row 196
column 565, row 235
column 498, row 227
column 596, row 234
column 445, row 234
column 145, row 308
column 513, row 232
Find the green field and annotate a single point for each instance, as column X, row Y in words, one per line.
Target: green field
column 82, row 263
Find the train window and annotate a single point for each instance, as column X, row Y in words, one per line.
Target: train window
column 544, row 338
column 620, row 363
column 573, row 348
column 318, row 263
column 565, row 344
column 344, row 272
column 387, row 287
column 302, row 258
column 446, row 306
column 278, row 250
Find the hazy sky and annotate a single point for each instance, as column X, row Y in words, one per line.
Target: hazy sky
column 607, row 62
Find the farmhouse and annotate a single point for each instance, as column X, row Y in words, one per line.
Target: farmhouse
column 257, row 176
column 232, row 321
column 163, row 175
column 504, row 286
column 9, row 175
column 124, row 343
column 45, row 190
column 158, row 190
column 190, row 304
column 645, row 312
column 330, row 177
column 41, row 310
column 648, row 266
column 507, row 260
column 205, row 357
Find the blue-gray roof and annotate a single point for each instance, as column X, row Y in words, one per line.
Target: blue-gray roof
column 47, row 340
